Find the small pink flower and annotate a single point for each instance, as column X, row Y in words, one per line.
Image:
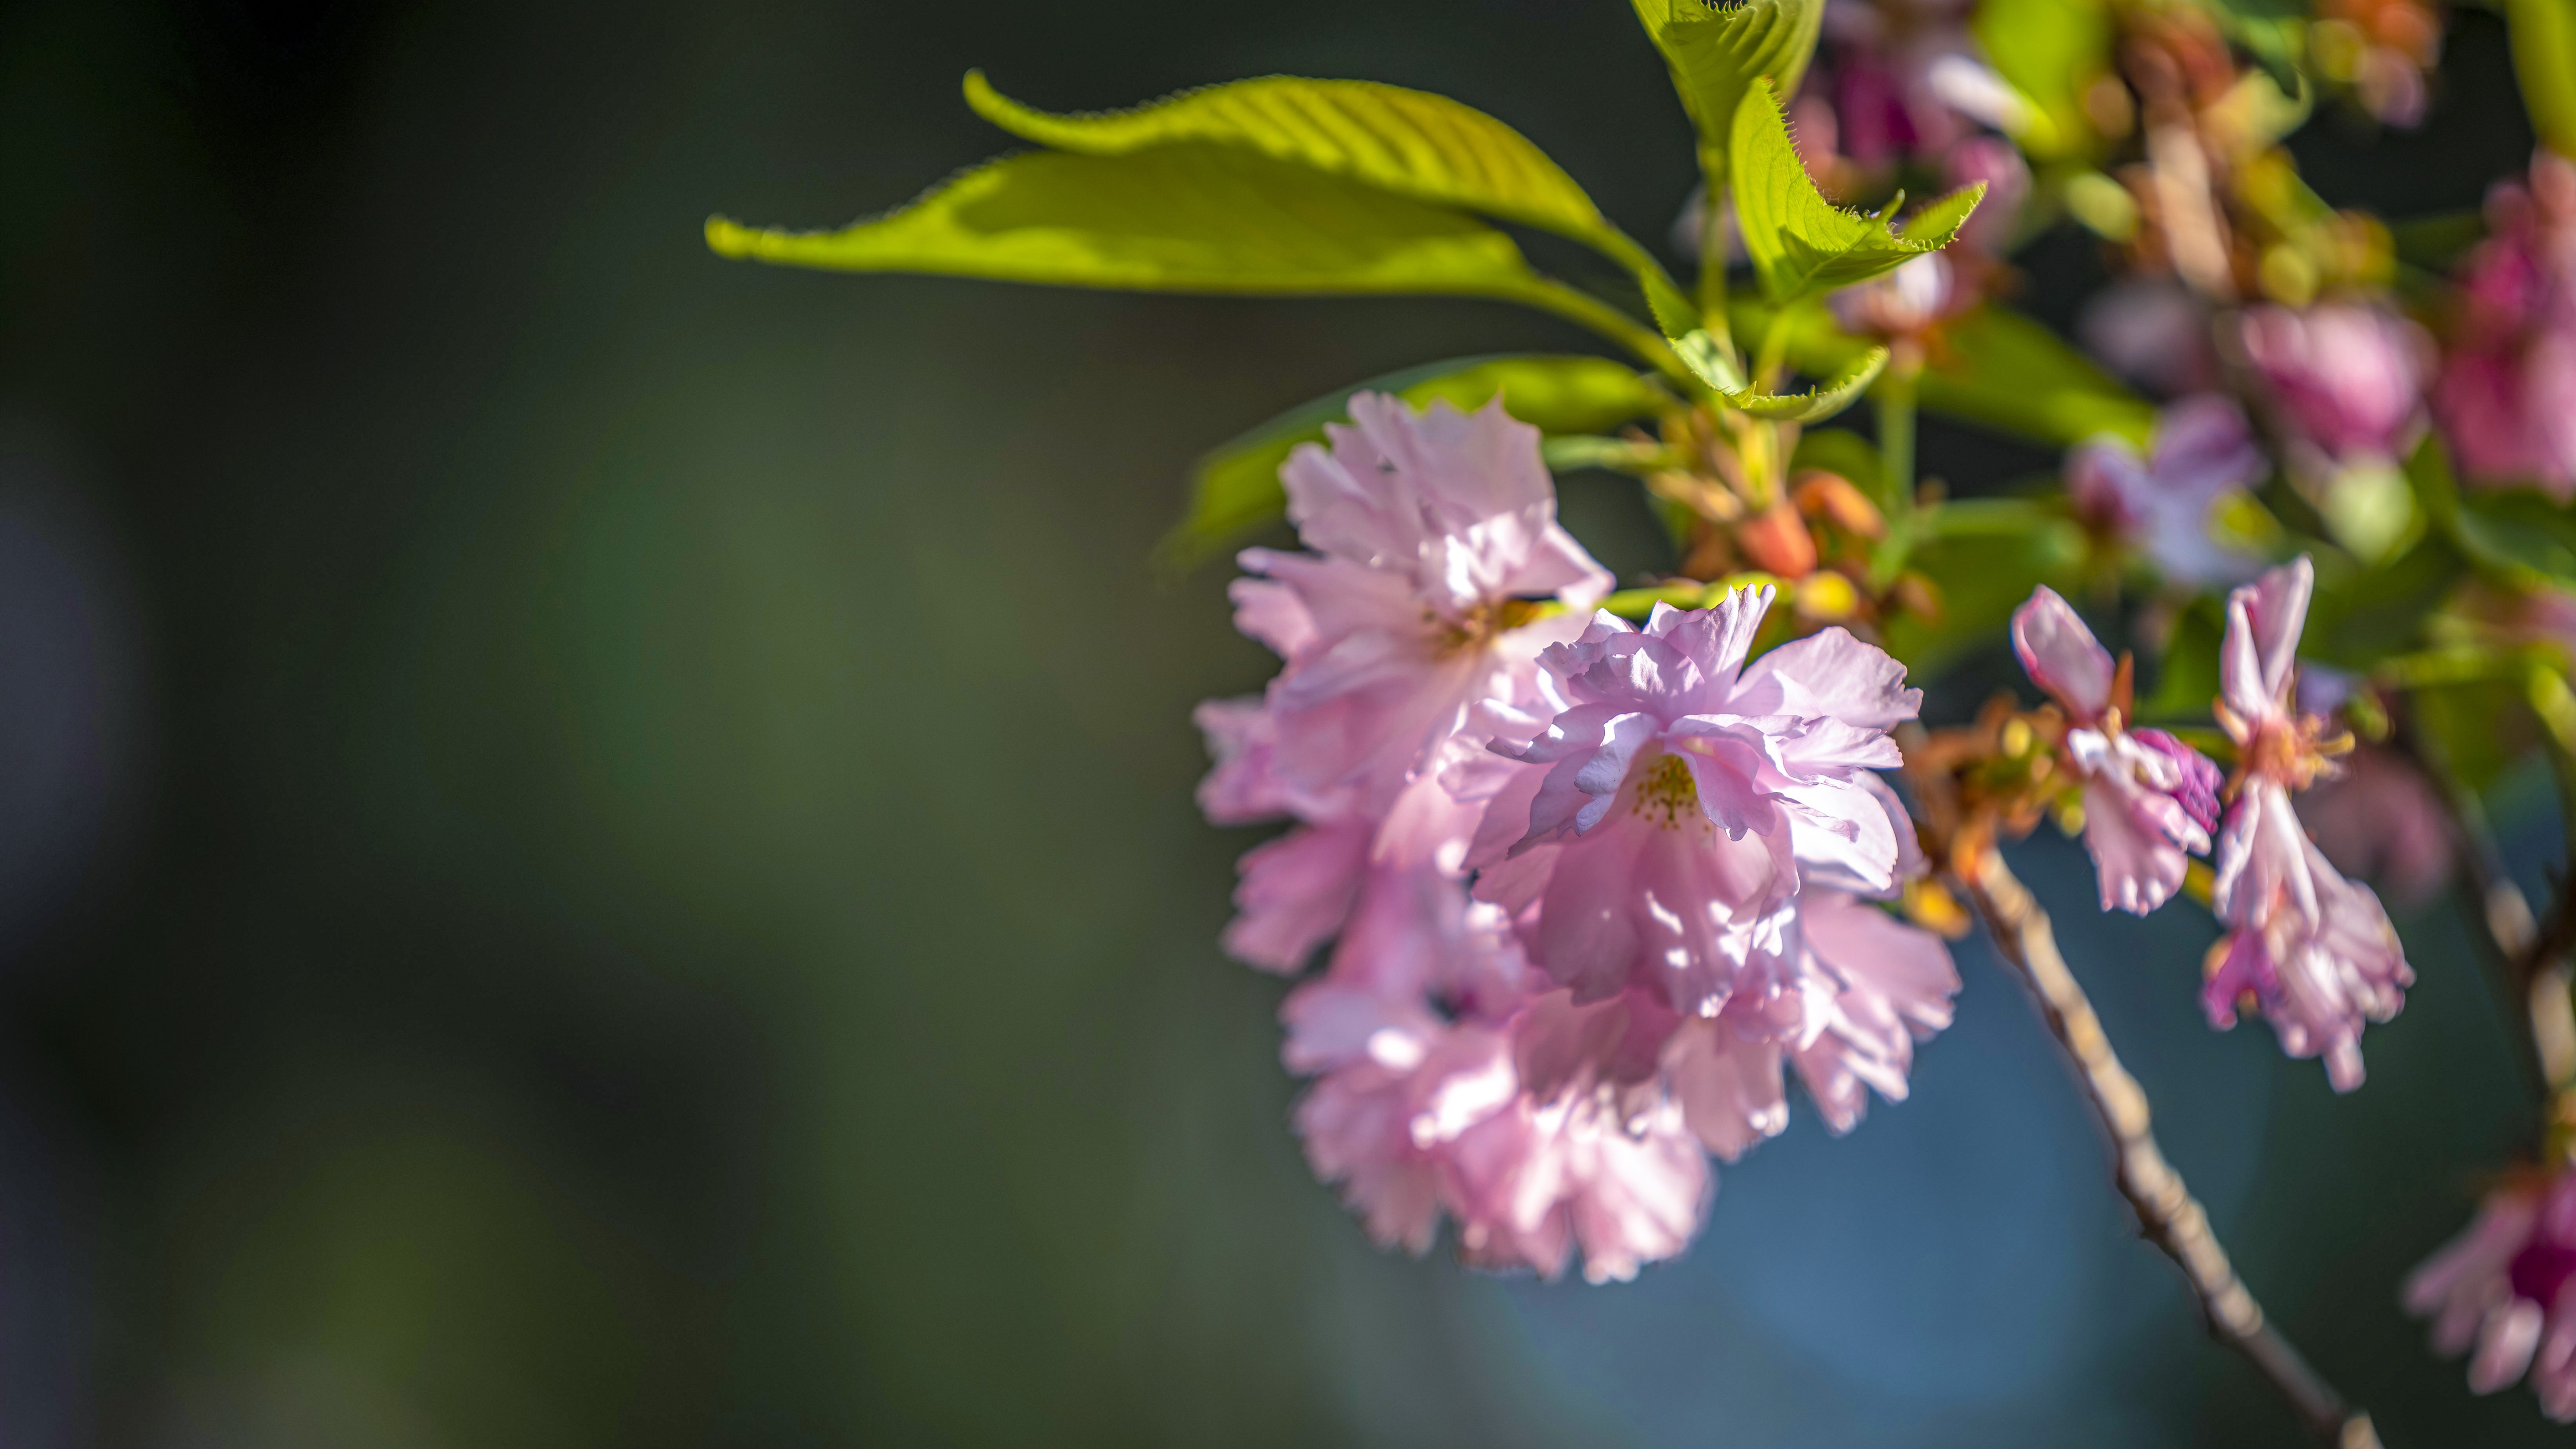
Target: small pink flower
column 2148, row 798
column 2503, row 1288
column 2506, row 397
column 2203, row 451
column 1434, row 534
column 1664, row 816
column 2345, row 378
column 2313, row 952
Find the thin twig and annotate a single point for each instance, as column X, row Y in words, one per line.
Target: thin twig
column 2168, row 1215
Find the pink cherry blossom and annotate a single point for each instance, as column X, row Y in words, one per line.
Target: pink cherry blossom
column 1870, row 987
column 1535, row 1133
column 2202, row 452
column 2506, row 1288
column 2148, row 798
column 2343, row 377
column 2506, row 397
column 1433, row 534
column 1656, row 830
column 2310, row 950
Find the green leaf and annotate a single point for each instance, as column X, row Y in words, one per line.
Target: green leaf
column 1415, row 144
column 1819, row 402
column 1716, row 53
column 1983, row 574
column 1993, row 366
column 1235, row 489
column 2522, row 531
column 2052, row 51
column 1803, row 245
column 1711, row 359
column 1173, row 219
column 2519, row 533
column 2360, row 616
column 2544, row 61
column 1998, row 367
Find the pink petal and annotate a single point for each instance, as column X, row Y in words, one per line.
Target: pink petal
column 2061, row 655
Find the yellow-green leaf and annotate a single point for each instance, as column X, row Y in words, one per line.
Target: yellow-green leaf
column 1236, row 488
column 1803, row 245
column 1717, row 52
column 1822, row 401
column 1173, row 219
column 2544, row 61
column 2051, row 51
column 1413, row 143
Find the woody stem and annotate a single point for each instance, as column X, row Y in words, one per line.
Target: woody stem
column 2168, row 1215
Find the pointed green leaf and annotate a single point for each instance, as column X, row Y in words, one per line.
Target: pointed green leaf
column 1819, row 402
column 2051, row 51
column 2544, row 61
column 1236, row 488
column 1173, row 219
column 1415, row 144
column 1803, row 245
column 1711, row 360
column 1717, row 52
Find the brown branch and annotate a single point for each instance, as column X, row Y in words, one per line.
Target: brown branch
column 2168, row 1215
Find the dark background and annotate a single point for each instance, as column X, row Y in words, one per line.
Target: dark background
column 595, row 844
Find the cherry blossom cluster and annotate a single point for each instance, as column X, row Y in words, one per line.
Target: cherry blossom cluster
column 1591, row 890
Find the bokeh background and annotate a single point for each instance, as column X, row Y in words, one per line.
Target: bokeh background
column 595, row 844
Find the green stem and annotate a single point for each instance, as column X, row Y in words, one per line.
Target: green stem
column 1894, row 395
column 1712, row 242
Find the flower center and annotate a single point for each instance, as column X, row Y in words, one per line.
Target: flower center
column 1490, row 618
column 2541, row 1269
column 1666, row 793
column 2293, row 752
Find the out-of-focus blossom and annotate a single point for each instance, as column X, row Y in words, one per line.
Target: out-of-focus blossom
column 1906, row 81
column 2202, row 452
column 2148, row 797
column 1998, row 164
column 2382, row 820
column 2345, row 377
column 2154, row 332
column 1657, row 830
column 2344, row 386
column 1434, row 533
column 2310, row 950
column 2383, row 49
column 2506, row 397
column 2501, row 1291
column 1905, row 302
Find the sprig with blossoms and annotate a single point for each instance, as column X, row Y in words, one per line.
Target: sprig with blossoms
column 1572, row 879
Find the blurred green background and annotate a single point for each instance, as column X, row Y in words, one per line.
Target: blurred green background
column 595, row 844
